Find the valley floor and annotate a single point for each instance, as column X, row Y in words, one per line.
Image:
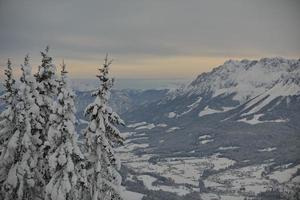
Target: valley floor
column 208, row 177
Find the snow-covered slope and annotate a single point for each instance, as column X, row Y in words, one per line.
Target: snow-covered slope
column 247, row 79
column 247, row 86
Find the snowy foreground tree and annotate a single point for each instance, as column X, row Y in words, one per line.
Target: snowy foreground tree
column 21, row 154
column 66, row 159
column 40, row 158
column 47, row 88
column 101, row 136
column 7, row 123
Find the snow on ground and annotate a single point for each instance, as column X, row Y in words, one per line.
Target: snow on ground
column 246, row 161
column 227, row 197
column 130, row 147
column 255, row 120
column 172, row 129
column 188, row 170
column 195, row 103
column 129, row 195
column 141, row 134
column 296, row 180
column 281, row 89
column 161, row 125
column 136, row 139
column 277, row 120
column 149, row 126
column 136, row 124
column 247, row 177
column 228, row 148
column 83, row 121
column 202, row 137
column 148, row 182
column 172, row 115
column 192, row 106
column 286, row 166
column 220, row 162
column 267, row 149
column 209, row 196
column 212, row 184
column 145, row 125
column 127, row 134
column 183, row 170
column 209, row 111
column 206, row 141
column 284, row 175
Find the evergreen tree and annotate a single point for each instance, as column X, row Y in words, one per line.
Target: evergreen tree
column 65, row 157
column 46, row 80
column 20, row 182
column 101, row 136
column 7, row 122
column 47, row 89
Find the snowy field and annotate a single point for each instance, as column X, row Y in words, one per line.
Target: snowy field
column 228, row 182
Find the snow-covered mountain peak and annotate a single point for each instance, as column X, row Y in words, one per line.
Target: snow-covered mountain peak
column 247, row 79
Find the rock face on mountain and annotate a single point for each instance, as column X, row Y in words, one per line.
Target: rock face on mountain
column 252, row 104
column 255, row 90
column 247, row 79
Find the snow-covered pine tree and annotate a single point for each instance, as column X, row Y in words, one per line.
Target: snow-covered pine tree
column 8, row 115
column 7, row 123
column 20, row 182
column 65, row 157
column 47, row 89
column 101, row 136
column 46, row 80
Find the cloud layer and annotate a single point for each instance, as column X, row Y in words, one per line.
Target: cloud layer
column 138, row 31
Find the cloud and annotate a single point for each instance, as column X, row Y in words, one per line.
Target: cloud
column 135, row 29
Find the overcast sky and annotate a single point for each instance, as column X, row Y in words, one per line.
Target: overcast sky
column 149, row 39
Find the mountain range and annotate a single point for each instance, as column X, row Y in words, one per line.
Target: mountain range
column 250, row 104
